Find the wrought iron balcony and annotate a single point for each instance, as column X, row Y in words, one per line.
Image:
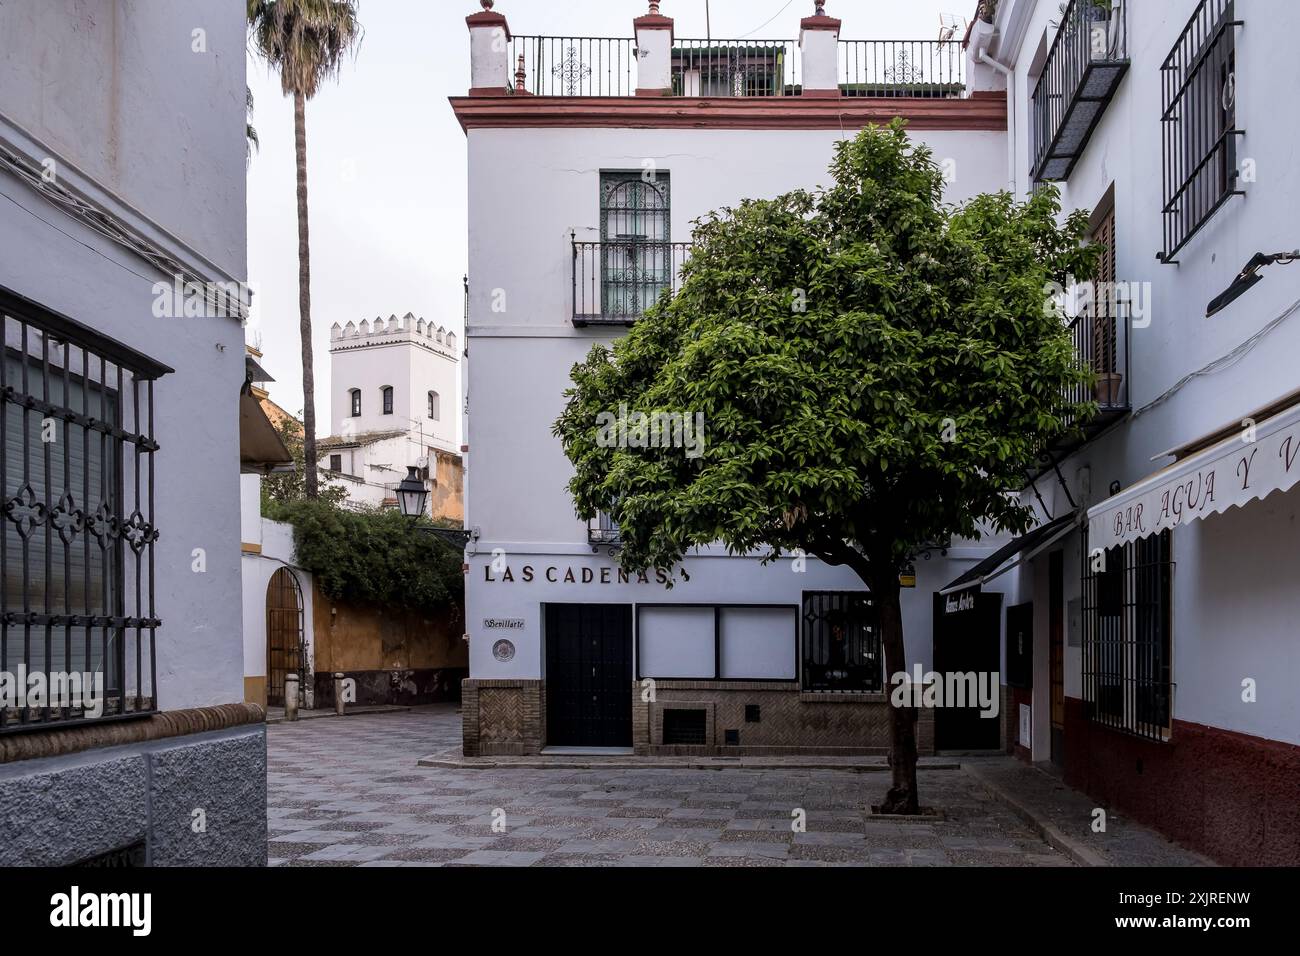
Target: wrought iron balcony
column 735, row 68
column 1084, row 67
column 1101, row 333
column 602, row 531
column 614, row 282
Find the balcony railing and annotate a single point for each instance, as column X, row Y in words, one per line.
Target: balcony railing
column 601, row 530
column 1087, row 60
column 605, row 66
column 614, row 282
column 576, row 66
column 888, row 68
column 735, row 68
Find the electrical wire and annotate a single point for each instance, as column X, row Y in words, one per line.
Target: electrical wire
column 1219, row 364
column 767, row 21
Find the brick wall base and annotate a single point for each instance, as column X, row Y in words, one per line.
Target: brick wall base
column 1231, row 796
column 503, row 717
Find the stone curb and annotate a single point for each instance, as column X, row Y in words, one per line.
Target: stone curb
column 363, row 711
column 617, row 763
column 1052, row 834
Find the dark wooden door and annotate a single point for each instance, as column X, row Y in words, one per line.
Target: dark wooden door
column 589, row 675
column 283, row 633
column 968, row 642
column 1056, row 650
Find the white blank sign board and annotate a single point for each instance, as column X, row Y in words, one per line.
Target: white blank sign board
column 675, row 642
column 758, row 642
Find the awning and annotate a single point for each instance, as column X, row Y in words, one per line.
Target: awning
column 1251, row 464
column 260, row 446
column 1009, row 555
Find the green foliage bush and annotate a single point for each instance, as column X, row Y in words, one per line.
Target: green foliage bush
column 373, row 557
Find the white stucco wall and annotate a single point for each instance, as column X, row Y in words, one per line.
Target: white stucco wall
column 528, row 190
column 112, row 88
column 1234, row 573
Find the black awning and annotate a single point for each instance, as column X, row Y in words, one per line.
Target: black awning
column 1013, row 552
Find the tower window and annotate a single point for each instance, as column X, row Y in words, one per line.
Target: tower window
column 356, row 401
column 387, row 392
column 435, row 406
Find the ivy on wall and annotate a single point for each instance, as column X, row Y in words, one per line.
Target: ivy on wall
column 372, row 557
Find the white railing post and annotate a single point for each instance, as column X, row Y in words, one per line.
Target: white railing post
column 819, row 48
column 654, row 53
column 489, row 52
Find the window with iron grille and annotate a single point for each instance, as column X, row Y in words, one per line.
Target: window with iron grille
column 76, row 553
column 635, row 231
column 1199, row 123
column 841, row 642
column 684, row 727
column 1127, row 636
column 336, row 463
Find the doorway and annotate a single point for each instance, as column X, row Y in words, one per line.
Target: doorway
column 589, row 675
column 284, row 633
column 968, row 641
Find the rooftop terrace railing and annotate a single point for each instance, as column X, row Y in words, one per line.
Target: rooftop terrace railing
column 606, row 66
column 888, row 68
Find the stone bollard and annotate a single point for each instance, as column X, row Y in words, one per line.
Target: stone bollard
column 290, row 696
column 338, row 693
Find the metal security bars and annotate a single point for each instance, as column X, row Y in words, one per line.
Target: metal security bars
column 603, row 530
column 615, row 282
column 841, row 643
column 887, row 68
column 77, row 614
column 1087, row 60
column 1199, row 123
column 575, row 66
column 735, row 68
column 1127, row 636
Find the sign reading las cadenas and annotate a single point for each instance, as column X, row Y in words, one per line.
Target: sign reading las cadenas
column 1260, row 460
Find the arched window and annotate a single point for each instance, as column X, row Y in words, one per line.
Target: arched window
column 387, row 393
column 435, row 406
column 355, row 393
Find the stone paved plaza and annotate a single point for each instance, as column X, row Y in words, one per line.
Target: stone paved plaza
column 348, row 793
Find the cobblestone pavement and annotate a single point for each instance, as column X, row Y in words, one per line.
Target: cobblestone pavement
column 347, row 792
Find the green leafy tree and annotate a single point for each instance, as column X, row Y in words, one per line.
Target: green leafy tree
column 288, row 486
column 376, row 556
column 875, row 371
column 306, row 41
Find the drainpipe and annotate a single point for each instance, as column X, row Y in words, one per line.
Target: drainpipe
column 1006, row 71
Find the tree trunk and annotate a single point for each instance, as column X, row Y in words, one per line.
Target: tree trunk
column 310, row 483
column 902, row 721
column 902, row 795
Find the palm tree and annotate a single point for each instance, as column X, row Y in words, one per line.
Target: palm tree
column 306, row 41
column 250, row 132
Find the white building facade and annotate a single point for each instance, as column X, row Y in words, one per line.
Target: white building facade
column 122, row 436
column 1164, row 663
column 394, row 405
column 581, row 196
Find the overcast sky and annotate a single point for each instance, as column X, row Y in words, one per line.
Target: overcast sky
column 386, row 158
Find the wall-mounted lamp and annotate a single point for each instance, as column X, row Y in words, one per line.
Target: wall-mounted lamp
column 1248, row 276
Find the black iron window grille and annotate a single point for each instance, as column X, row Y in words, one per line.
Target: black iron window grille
column 841, row 643
column 1199, row 123
column 77, row 621
column 575, row 66
column 1127, row 636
